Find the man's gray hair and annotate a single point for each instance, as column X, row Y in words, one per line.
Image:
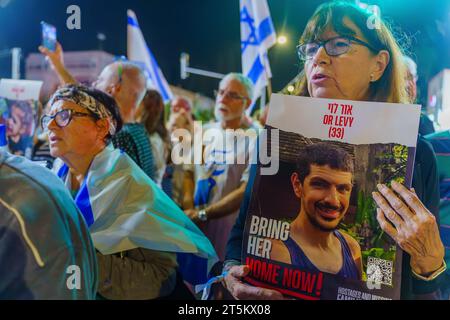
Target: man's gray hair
column 245, row 81
column 133, row 72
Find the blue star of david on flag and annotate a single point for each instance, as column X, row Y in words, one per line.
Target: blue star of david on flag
column 252, row 39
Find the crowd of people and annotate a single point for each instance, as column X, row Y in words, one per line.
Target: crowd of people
column 139, row 225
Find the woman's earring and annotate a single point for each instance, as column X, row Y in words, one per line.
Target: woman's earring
column 372, row 77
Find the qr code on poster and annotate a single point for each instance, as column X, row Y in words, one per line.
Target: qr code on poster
column 379, row 271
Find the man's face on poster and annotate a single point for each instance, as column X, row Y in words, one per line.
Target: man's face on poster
column 15, row 122
column 324, row 195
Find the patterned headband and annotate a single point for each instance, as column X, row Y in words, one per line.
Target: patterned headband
column 77, row 95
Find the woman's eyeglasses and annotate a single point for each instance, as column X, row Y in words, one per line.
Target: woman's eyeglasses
column 334, row 47
column 62, row 118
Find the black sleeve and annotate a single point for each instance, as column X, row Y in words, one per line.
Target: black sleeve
column 234, row 245
column 426, row 176
column 426, row 184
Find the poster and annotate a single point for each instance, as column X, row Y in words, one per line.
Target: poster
column 19, row 112
column 311, row 230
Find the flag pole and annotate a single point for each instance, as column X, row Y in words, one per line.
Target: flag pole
column 269, row 84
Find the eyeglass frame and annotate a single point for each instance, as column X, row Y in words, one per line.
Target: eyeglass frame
column 324, row 43
column 233, row 97
column 71, row 115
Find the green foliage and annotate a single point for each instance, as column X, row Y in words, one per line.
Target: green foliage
column 391, row 164
column 366, row 210
column 388, row 164
column 366, row 231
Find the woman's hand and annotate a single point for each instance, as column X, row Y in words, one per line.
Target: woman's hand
column 242, row 291
column 403, row 216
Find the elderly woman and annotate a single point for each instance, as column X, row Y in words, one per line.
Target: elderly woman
column 344, row 59
column 139, row 233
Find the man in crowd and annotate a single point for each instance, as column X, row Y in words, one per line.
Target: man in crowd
column 35, row 204
column 214, row 189
column 126, row 83
column 180, row 104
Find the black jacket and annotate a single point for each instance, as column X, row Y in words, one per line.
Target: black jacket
column 45, row 248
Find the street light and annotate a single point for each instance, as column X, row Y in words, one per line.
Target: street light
column 282, row 40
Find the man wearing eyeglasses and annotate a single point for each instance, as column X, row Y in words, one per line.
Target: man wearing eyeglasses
column 126, row 83
column 214, row 189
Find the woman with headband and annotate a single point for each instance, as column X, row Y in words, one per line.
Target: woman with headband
column 142, row 238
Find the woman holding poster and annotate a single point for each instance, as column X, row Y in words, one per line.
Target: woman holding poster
column 345, row 59
column 143, row 239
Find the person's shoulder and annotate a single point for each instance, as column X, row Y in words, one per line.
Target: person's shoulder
column 25, row 171
column 39, row 197
column 132, row 129
column 39, row 185
column 279, row 252
column 352, row 243
column 122, row 134
column 124, row 140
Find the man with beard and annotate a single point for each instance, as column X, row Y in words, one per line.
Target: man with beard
column 323, row 184
column 213, row 190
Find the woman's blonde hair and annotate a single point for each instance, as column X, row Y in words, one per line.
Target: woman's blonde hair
column 391, row 87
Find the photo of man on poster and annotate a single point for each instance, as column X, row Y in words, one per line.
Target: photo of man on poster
column 323, row 183
column 20, row 127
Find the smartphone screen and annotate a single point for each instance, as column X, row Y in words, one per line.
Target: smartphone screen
column 48, row 36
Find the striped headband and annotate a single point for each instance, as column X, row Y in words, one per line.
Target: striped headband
column 78, row 95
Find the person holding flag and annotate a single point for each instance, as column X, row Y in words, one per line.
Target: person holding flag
column 142, row 238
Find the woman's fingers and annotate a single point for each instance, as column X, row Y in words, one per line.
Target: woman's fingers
column 412, row 201
column 242, row 291
column 388, row 211
column 396, row 203
column 385, row 225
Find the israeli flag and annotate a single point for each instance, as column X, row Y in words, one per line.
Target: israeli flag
column 124, row 209
column 139, row 52
column 257, row 36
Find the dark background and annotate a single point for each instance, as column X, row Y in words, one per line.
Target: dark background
column 209, row 31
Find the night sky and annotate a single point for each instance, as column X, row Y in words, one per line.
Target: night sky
column 209, row 31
